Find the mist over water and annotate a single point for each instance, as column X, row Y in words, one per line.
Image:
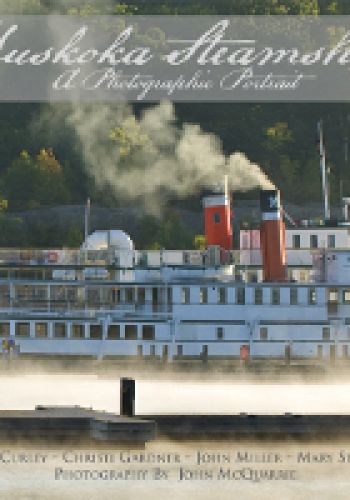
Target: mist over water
column 224, row 397
column 37, row 481
column 24, row 392
column 19, row 391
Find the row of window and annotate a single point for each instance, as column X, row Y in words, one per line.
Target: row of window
column 319, row 353
column 275, row 298
column 264, row 333
column 41, row 330
column 313, row 241
column 95, row 331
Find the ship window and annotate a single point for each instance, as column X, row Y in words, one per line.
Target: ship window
column 78, row 332
column 95, row 332
column 263, row 333
column 148, row 332
column 180, row 350
column 331, row 240
column 116, row 295
column 170, row 296
column 4, row 329
column 59, row 330
column 71, row 294
column 131, row 332
column 93, row 296
column 129, row 295
column 152, row 350
column 293, row 296
column 312, row 296
column 346, row 296
column 313, row 241
column 222, row 295
column 333, row 296
column 203, row 295
column 22, row 330
column 185, row 295
column 240, row 296
column 216, row 218
column 114, row 332
column 141, row 296
column 303, row 276
column 275, row 296
column 258, row 296
column 326, row 333
column 41, row 329
column 296, row 240
column 219, row 333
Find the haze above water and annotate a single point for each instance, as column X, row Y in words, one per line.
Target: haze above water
column 36, row 481
column 173, row 396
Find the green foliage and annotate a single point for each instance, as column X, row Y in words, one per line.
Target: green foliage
column 32, row 182
column 22, row 7
column 169, row 7
column 3, row 205
column 148, row 232
column 168, row 232
column 173, row 234
column 102, row 7
column 199, row 242
column 129, row 136
column 12, row 232
column 309, row 186
column 278, row 136
column 49, row 234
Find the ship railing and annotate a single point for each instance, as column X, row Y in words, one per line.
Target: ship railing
column 59, row 258
column 63, row 305
column 211, row 257
column 108, row 315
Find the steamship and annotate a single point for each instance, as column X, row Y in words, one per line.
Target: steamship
column 285, row 294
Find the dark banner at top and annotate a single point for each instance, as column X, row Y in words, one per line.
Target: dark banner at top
column 181, row 58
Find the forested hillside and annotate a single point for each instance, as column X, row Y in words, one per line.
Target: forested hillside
column 42, row 162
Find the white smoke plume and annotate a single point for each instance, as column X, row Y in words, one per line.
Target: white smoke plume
column 151, row 157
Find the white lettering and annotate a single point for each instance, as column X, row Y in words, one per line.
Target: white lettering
column 65, row 81
column 212, row 37
column 64, row 55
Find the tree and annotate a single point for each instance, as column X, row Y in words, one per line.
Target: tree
column 32, row 182
column 173, row 234
column 11, row 231
column 199, row 242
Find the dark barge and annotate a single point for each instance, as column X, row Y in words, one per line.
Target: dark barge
column 74, row 424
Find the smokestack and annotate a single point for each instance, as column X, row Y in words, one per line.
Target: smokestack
column 217, row 220
column 272, row 233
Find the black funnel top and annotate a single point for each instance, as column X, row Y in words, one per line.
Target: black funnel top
column 270, row 200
